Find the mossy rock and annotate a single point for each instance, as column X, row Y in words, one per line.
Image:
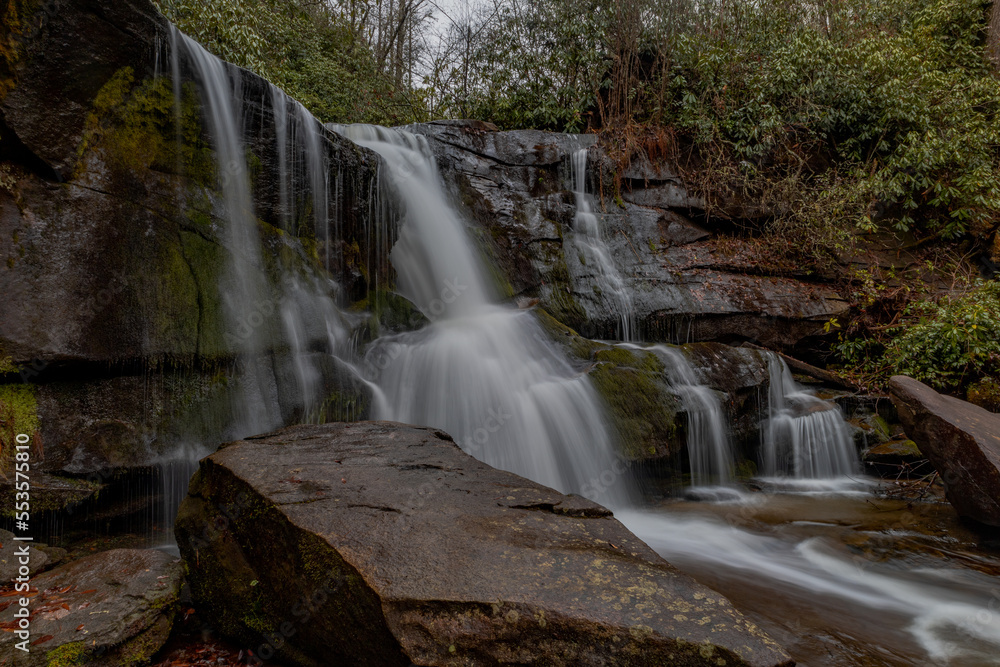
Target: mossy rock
column 135, row 126
column 390, row 312
column 643, row 409
column 18, row 416
column 985, row 393
column 644, row 412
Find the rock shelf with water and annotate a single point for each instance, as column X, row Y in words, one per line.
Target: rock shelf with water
column 431, row 557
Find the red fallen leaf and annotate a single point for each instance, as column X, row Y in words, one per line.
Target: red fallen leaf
column 65, row 590
column 65, row 606
column 42, row 640
column 92, row 590
column 79, row 627
column 7, row 594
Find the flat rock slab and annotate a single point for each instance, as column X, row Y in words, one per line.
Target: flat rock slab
column 377, row 543
column 961, row 440
column 11, row 560
column 112, row 608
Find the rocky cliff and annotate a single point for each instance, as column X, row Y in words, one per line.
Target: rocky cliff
column 518, row 187
column 116, row 339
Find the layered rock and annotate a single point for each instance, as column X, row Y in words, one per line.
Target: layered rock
column 114, row 341
column 382, row 544
column 645, row 411
column 961, row 440
column 113, row 608
column 517, row 185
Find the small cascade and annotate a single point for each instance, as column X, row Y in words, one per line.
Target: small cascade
column 486, row 374
column 709, row 448
column 174, row 474
column 283, row 323
column 804, row 436
column 594, row 252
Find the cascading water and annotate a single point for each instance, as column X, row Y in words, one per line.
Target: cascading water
column 709, row 450
column 279, row 321
column 948, row 614
column 594, row 252
column 805, row 437
column 490, row 376
column 486, row 374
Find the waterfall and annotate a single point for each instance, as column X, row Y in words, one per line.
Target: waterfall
column 486, row 374
column 282, row 320
column 709, row 449
column 594, row 252
column 804, row 436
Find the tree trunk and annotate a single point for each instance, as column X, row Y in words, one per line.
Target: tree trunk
column 993, row 35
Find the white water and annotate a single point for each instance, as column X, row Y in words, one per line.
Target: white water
column 709, row 449
column 486, row 374
column 594, row 252
column 491, row 377
column 277, row 326
column 951, row 618
column 805, row 437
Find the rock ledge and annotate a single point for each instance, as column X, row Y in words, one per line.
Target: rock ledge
column 383, row 544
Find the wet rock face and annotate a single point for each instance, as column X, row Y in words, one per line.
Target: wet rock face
column 518, row 187
column 961, row 440
column 113, row 608
column 113, row 334
column 376, row 543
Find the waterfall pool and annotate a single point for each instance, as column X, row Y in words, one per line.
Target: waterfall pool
column 841, row 579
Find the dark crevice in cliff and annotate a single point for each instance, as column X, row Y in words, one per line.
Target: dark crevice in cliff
column 13, row 149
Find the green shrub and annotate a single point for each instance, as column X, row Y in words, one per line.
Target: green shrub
column 312, row 55
column 955, row 341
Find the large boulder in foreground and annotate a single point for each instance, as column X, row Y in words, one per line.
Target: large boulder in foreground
column 377, row 543
column 112, row 608
column 960, row 439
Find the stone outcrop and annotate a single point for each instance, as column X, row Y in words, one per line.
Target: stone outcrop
column 112, row 609
column 382, row 544
column 114, row 343
column 645, row 412
column 961, row 440
column 517, row 185
column 10, row 558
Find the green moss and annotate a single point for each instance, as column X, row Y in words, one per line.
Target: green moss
column 746, row 469
column 19, row 407
column 135, row 126
column 140, row 649
column 67, row 655
column 985, row 393
column 389, row 311
column 643, row 410
column 344, row 405
column 16, row 19
column 575, row 344
column 560, row 301
column 644, row 361
column 7, row 365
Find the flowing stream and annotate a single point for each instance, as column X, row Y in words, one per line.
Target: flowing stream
column 594, row 253
column 803, row 565
column 489, row 376
column 485, row 373
column 805, row 437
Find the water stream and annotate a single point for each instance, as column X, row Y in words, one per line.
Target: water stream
column 804, row 436
column 489, row 375
column 594, row 253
